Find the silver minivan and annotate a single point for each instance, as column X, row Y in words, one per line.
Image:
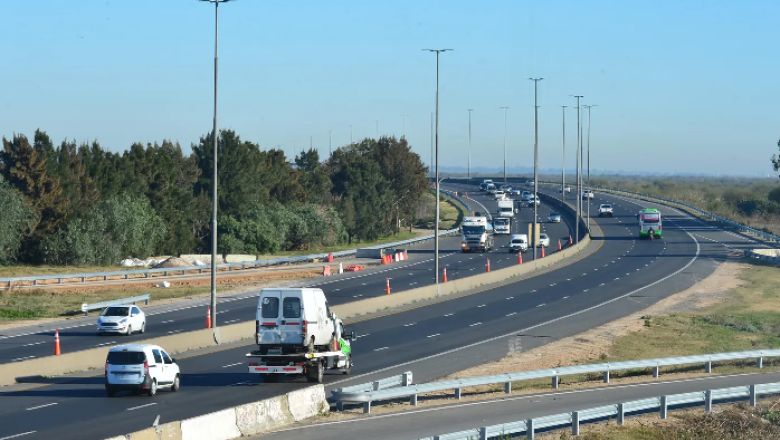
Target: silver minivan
column 140, row 368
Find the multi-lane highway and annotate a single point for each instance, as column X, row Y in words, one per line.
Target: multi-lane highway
column 79, row 334
column 624, row 274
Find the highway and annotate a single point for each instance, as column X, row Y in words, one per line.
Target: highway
column 415, row 424
column 623, row 275
column 79, row 334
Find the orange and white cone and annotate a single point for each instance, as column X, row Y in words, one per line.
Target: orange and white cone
column 519, row 258
column 570, row 240
column 488, row 265
column 444, row 277
column 387, row 289
column 57, row 351
column 542, row 251
column 208, row 317
column 559, row 245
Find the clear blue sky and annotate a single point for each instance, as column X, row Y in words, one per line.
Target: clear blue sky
column 680, row 86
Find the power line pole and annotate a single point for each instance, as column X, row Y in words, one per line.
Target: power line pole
column 469, row 170
column 589, row 107
column 536, row 158
column 436, row 230
column 579, row 192
column 431, row 146
column 505, row 108
column 213, row 309
column 563, row 158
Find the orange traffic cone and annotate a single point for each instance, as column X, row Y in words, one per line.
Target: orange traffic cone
column 405, row 256
column 559, row 245
column 488, row 265
column 387, row 289
column 519, row 258
column 208, row 317
column 467, row 195
column 542, row 251
column 336, row 345
column 444, row 278
column 330, row 258
column 57, row 342
column 570, row 241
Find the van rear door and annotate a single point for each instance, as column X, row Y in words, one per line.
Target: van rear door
column 291, row 322
column 269, row 318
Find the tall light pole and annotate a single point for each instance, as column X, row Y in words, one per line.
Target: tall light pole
column 505, row 108
column 589, row 107
column 436, row 179
column 536, row 158
column 214, row 176
column 576, row 156
column 432, row 140
column 469, row 170
column 563, row 158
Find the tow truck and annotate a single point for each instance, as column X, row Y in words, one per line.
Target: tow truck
column 274, row 364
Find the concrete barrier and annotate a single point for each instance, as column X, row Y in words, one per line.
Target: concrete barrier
column 220, row 425
column 307, row 402
column 241, row 421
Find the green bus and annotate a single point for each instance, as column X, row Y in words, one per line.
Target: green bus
column 649, row 223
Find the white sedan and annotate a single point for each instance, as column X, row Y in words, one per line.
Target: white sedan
column 544, row 240
column 125, row 319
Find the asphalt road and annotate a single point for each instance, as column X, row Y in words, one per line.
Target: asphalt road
column 415, row 424
column 623, row 275
column 79, row 334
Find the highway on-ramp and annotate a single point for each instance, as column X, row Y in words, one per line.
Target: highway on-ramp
column 623, row 274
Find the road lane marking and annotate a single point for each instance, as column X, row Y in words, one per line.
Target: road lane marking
column 476, row 323
column 34, row 343
column 540, row 305
column 380, row 349
column 21, row 359
column 105, row 343
column 513, row 313
column 565, row 297
column 232, row 365
column 449, row 314
column 479, row 307
column 40, row 406
column 17, row 435
column 433, row 336
column 511, row 297
column 139, row 407
column 409, row 325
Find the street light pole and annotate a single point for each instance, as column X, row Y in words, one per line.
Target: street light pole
column 214, row 175
column 469, row 170
column 579, row 192
column 505, row 108
column 432, row 139
column 436, row 230
column 563, row 158
column 589, row 107
column 536, row 159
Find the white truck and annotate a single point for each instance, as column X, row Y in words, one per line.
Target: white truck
column 477, row 234
column 506, row 208
column 484, row 184
column 502, row 226
column 297, row 334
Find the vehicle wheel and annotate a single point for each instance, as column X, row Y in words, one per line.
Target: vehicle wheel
column 310, row 346
column 315, row 373
column 110, row 391
column 152, row 389
column 348, row 368
column 143, row 328
column 176, row 384
column 129, row 330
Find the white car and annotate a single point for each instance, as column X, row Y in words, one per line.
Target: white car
column 544, row 240
column 519, row 243
column 499, row 195
column 606, row 210
column 515, row 192
column 567, row 189
column 140, row 367
column 121, row 319
column 587, row 194
column 554, row 217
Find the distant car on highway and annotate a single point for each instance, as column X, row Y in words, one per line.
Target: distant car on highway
column 123, row 319
column 499, row 195
column 544, row 240
column 554, row 217
column 587, row 194
column 140, row 368
column 605, row 210
column 515, row 191
column 566, row 188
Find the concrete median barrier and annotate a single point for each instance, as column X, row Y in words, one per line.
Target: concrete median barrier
column 307, row 402
column 264, row 416
column 220, row 425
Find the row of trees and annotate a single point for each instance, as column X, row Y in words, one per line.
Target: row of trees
column 83, row 204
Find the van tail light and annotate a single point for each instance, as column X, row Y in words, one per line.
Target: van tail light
column 305, row 326
column 659, row 227
column 146, row 368
column 105, row 372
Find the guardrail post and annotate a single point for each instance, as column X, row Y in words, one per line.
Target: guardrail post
column 367, row 408
column 508, row 387
column 200, row 270
column 339, row 406
column 165, row 273
column 575, row 423
column 146, row 302
column 146, row 275
column 621, row 414
column 760, row 362
column 555, row 380
column 127, row 276
column 483, row 433
column 458, row 393
column 375, row 385
column 83, row 279
column 606, row 376
column 529, row 429
column 753, row 396
column 243, row 266
column 413, row 400
column 35, row 282
column 59, row 281
column 656, row 371
column 708, row 401
column 664, row 407
column 708, row 367
column 406, row 379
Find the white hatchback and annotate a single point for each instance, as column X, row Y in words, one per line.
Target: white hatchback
column 140, row 368
column 544, row 240
column 125, row 319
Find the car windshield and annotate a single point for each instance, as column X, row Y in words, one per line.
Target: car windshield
column 501, row 221
column 606, row 206
column 518, row 241
column 651, row 218
column 473, row 229
column 543, row 236
column 126, row 357
column 116, row 311
column 554, row 214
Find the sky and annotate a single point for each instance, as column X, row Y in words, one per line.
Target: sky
column 679, row 86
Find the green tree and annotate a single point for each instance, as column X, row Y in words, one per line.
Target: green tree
column 314, row 179
column 15, row 223
column 776, row 160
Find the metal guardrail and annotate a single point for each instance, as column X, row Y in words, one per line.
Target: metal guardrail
column 661, row 403
column 115, row 302
column 400, row 380
column 412, row 391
